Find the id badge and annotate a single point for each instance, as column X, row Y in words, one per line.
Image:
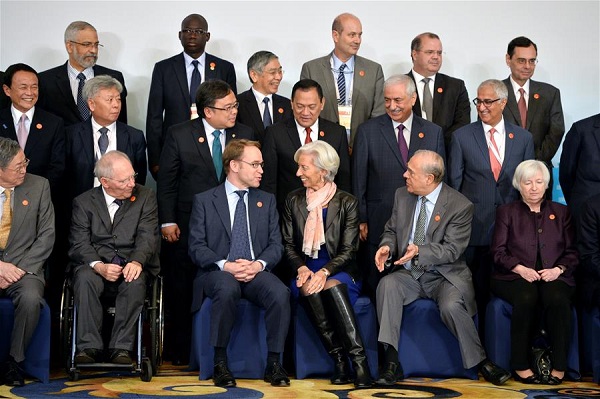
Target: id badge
column 345, row 112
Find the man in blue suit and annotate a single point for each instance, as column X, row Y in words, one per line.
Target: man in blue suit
column 235, row 242
column 380, row 156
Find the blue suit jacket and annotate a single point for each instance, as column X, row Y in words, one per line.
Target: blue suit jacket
column 470, row 172
column 377, row 166
column 210, row 232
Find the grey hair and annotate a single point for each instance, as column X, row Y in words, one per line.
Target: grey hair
column 258, row 61
column 527, row 169
column 100, row 82
column 324, row 157
column 401, row 79
column 498, row 86
column 76, row 27
column 104, row 166
column 434, row 165
column 8, row 150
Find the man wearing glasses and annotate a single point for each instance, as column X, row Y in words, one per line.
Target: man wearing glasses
column 175, row 81
column 192, row 162
column 535, row 106
column 61, row 87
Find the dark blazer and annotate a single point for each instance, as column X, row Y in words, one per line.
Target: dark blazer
column 169, row 99
column 45, row 145
column 56, row 95
column 451, row 105
column 249, row 113
column 470, row 172
column 446, row 237
column 133, row 234
column 579, row 171
column 81, row 158
column 519, row 234
column 378, row 168
column 280, row 145
column 210, row 233
column 545, row 120
column 4, row 99
column 588, row 231
column 341, row 232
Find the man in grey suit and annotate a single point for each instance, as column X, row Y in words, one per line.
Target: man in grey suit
column 26, row 240
column 114, row 248
column 422, row 248
column 353, row 85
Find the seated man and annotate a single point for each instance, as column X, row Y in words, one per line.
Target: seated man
column 26, row 240
column 427, row 233
column 235, row 241
column 114, row 247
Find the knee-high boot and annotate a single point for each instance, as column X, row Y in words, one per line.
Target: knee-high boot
column 338, row 306
column 324, row 326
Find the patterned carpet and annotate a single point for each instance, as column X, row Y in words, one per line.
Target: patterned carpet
column 176, row 382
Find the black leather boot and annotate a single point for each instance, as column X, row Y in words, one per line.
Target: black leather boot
column 338, row 306
column 318, row 317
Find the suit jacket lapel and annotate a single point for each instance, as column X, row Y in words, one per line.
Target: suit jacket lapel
column 533, row 105
column 99, row 203
column 438, row 212
column 222, row 207
column 279, row 103
column 332, row 211
column 389, row 136
column 201, row 142
column 86, row 135
column 511, row 104
column 35, row 134
column 508, row 145
column 253, row 105
column 20, row 208
column 253, row 219
column 480, row 139
column 408, row 213
column 179, row 70
column 8, row 124
column 292, row 132
column 439, row 88
column 122, row 137
column 64, row 86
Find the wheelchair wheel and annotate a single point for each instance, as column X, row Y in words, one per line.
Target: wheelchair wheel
column 146, row 372
column 156, row 324
column 66, row 325
column 73, row 375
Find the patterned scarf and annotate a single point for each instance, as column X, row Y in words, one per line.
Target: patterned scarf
column 314, row 232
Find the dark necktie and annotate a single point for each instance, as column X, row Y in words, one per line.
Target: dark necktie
column 195, row 82
column 217, row 155
column 308, row 139
column 119, row 202
column 341, row 82
column 417, row 269
column 82, row 106
column 427, row 100
column 103, row 140
column 402, row 146
column 266, row 115
column 522, row 108
column 240, row 243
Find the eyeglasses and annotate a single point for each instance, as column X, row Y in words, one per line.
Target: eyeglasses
column 523, row 61
column 429, row 53
column 20, row 167
column 195, row 31
column 228, row 108
column 88, row 44
column 487, row 102
column 254, row 165
column 274, row 72
column 124, row 181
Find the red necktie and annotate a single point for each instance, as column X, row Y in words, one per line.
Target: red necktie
column 308, row 139
column 495, row 162
column 522, row 108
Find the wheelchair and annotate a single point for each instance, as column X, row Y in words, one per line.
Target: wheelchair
column 151, row 318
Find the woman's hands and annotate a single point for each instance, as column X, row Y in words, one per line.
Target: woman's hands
column 310, row 282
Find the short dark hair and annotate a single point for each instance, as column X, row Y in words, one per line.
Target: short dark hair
column 14, row 68
column 258, row 61
column 8, row 150
column 520, row 41
column 416, row 42
column 307, row 84
column 234, row 150
column 209, row 92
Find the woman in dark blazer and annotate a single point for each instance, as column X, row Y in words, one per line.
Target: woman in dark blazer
column 320, row 234
column 535, row 255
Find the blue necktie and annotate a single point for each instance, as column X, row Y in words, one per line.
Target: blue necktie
column 240, row 243
column 82, row 106
column 195, row 82
column 217, row 154
column 266, row 115
column 341, row 82
column 103, row 140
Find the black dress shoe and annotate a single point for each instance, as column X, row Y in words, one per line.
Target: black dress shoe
column 493, row 373
column 120, row 356
column 553, row 380
column 13, row 375
column 391, row 374
column 222, row 377
column 532, row 379
column 276, row 375
column 88, row 355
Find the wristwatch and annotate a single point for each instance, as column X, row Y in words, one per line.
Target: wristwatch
column 325, row 272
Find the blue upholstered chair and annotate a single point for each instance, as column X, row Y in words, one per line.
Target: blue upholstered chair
column 590, row 320
column 37, row 355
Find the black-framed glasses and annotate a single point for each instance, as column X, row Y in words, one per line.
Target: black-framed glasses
column 124, row 181
column 227, row 108
column 20, row 167
column 254, row 165
column 487, row 102
column 195, row 31
column 523, row 61
column 88, row 44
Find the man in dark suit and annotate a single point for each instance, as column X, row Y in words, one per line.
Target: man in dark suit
column 234, row 242
column 260, row 106
column 535, row 106
column 444, row 97
column 579, row 171
column 380, row 157
column 4, row 99
column 191, row 162
column 174, row 84
column 88, row 141
column 26, row 239
column 352, row 85
column 61, row 87
column 114, row 248
column 284, row 138
column 424, row 255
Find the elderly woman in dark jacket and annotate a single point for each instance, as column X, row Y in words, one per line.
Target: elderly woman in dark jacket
column 535, row 256
column 320, row 234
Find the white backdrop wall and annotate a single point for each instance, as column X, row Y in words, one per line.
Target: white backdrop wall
column 474, row 34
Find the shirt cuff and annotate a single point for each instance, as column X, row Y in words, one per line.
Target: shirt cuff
column 167, row 225
column 221, row 263
column 263, row 263
column 94, row 263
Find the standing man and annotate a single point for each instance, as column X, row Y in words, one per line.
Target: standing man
column 260, row 106
column 284, row 138
column 175, row 81
column 235, row 242
column 534, row 106
column 61, row 87
column 26, row 239
column 352, row 85
column 425, row 258
column 4, row 99
column 441, row 99
column 191, row 163
column 382, row 149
